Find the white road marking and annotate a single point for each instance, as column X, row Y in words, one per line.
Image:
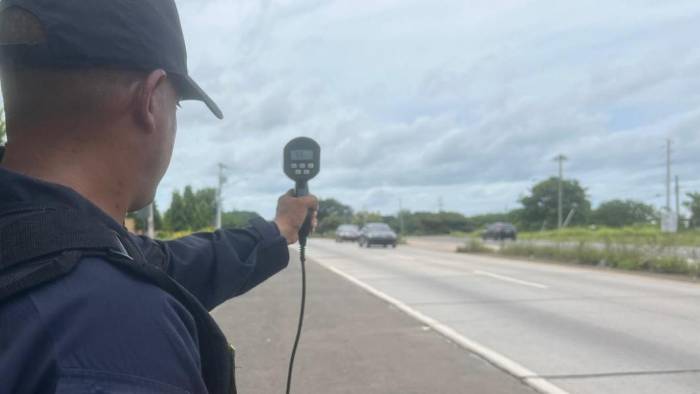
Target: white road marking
column 512, row 280
column 404, row 257
column 512, row 367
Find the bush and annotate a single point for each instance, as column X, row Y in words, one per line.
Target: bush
column 672, row 265
column 623, row 257
column 634, row 235
column 474, row 245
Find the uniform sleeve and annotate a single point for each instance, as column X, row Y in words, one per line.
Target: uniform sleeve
column 223, row 264
column 99, row 382
column 98, row 330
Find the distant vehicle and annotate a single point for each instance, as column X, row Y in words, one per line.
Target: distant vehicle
column 377, row 234
column 347, row 232
column 500, row 231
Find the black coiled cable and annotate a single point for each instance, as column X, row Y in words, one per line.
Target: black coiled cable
column 302, row 258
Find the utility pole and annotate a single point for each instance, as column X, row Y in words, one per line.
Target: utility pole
column 678, row 202
column 668, row 175
column 439, row 204
column 400, row 217
column 150, row 222
column 561, row 159
column 219, row 202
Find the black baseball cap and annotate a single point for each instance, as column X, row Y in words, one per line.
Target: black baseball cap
column 133, row 34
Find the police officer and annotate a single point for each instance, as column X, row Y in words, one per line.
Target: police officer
column 90, row 92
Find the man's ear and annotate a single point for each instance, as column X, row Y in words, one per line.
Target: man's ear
column 146, row 104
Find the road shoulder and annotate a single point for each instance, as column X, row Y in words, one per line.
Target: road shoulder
column 352, row 342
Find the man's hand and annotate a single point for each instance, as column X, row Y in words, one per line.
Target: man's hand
column 291, row 213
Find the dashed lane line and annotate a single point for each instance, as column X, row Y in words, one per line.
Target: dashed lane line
column 512, row 280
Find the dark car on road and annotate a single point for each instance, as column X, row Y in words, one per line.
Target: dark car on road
column 377, row 234
column 500, row 231
column 347, row 232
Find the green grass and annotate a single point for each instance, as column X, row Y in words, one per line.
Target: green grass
column 622, row 257
column 463, row 234
column 474, row 245
column 635, row 235
column 639, row 248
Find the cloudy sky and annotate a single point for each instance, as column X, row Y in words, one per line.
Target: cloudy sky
column 463, row 101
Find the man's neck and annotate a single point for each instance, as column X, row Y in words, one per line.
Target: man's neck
column 89, row 176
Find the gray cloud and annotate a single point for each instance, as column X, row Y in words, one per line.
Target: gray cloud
column 413, row 100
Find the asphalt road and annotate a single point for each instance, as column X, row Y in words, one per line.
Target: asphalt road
column 352, row 342
column 582, row 330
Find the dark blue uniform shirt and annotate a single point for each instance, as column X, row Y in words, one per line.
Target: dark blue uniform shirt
column 100, row 330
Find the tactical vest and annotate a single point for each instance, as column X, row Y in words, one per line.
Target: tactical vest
column 42, row 244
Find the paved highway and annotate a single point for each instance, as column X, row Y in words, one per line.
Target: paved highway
column 580, row 330
column 353, row 342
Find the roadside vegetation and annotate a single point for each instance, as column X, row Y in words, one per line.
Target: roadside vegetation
column 649, row 258
column 474, row 245
column 612, row 222
column 190, row 211
column 630, row 235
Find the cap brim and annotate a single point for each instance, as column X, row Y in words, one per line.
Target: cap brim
column 189, row 90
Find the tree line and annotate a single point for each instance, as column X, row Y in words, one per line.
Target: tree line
column 538, row 210
column 193, row 210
